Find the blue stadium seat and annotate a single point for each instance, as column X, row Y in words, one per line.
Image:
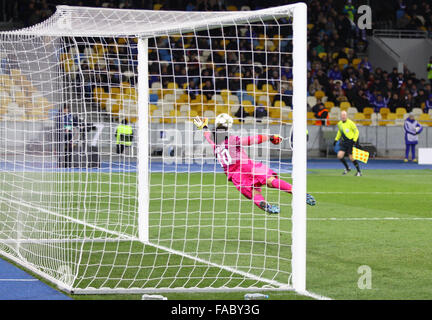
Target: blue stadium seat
column 154, row 98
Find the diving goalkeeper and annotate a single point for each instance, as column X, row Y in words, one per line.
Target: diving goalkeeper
column 247, row 175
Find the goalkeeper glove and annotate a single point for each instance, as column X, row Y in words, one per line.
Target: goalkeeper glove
column 275, row 139
column 201, row 124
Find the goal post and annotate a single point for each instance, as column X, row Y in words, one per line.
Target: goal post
column 94, row 208
column 299, row 157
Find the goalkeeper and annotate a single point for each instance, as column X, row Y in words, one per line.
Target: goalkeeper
column 246, row 175
column 347, row 137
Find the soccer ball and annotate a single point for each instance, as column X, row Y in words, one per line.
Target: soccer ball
column 224, row 120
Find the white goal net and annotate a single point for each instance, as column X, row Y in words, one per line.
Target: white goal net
column 106, row 184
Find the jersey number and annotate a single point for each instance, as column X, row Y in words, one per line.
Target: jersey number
column 224, row 157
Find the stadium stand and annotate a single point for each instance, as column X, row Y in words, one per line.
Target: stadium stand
column 339, row 73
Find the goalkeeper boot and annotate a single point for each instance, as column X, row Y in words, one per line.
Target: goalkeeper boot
column 346, row 171
column 310, row 200
column 358, row 174
column 267, row 207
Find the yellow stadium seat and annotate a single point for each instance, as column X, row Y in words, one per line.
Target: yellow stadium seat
column 400, row 112
column 172, row 85
column 279, row 103
column 328, row 105
column 384, row 112
column 225, row 93
column 368, row 112
column 251, row 88
column 391, row 117
column 342, row 61
column 356, row 62
column 319, row 94
column 344, row 105
column 310, row 118
column 321, row 55
column 425, row 119
column 115, row 90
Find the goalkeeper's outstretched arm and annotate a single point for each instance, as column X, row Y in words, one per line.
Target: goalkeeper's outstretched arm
column 260, row 138
column 202, row 124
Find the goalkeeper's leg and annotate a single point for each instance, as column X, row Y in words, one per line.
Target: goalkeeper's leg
column 274, row 182
column 261, row 203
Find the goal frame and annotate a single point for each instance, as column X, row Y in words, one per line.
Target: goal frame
column 298, row 275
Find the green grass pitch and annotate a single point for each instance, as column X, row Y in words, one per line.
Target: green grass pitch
column 382, row 220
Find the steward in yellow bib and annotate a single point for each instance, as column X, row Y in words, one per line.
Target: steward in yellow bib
column 347, row 137
column 429, row 70
column 124, row 136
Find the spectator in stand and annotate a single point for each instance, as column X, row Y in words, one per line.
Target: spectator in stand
column 335, row 73
column 428, row 104
column 360, row 101
column 365, row 64
column 399, row 81
column 192, row 89
column 421, row 98
column 314, row 87
column 208, row 89
column 408, row 102
column 260, row 111
column 379, row 103
column 394, row 103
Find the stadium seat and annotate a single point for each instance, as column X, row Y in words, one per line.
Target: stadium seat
column 251, row 88
column 319, row 94
column 222, row 109
column 329, row 105
column 425, row 120
column 368, row 111
column 321, row 55
column 275, row 113
column 344, row 106
column 267, row 88
column 400, row 112
column 209, row 114
column 360, row 119
column 279, row 103
column 265, row 100
column 417, row 112
column 225, row 92
column 153, row 98
column 342, row 62
column 169, row 97
column 231, row 99
column 312, row 101
column 375, row 118
column 391, row 117
column 356, row 62
column 234, row 109
column 384, row 112
column 310, row 118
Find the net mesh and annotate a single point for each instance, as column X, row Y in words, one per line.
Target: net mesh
column 69, row 148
